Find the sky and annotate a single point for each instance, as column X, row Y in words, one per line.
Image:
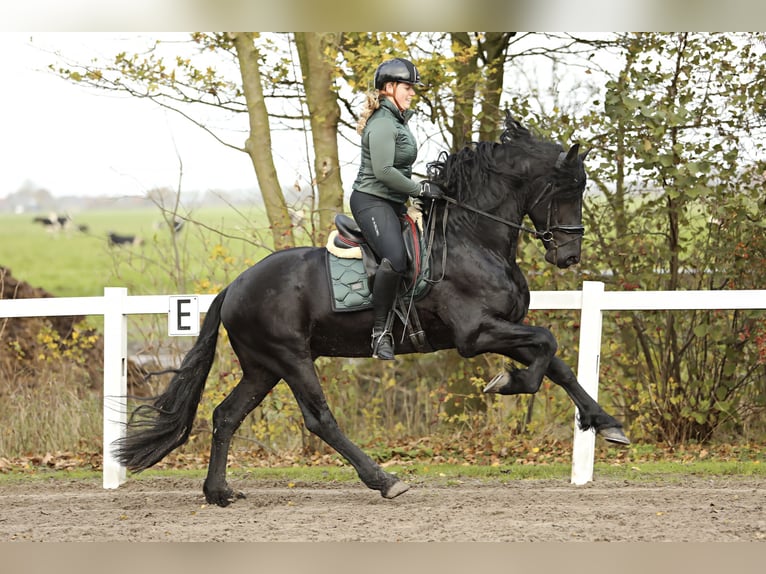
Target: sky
column 72, row 140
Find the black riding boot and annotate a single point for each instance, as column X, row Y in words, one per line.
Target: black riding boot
column 383, row 296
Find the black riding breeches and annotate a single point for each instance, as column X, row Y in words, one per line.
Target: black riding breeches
column 381, row 223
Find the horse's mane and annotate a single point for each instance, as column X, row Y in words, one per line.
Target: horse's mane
column 519, row 155
column 456, row 171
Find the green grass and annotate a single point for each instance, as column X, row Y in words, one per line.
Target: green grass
column 446, row 474
column 76, row 264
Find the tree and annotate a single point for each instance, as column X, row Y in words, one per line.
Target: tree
column 258, row 144
column 478, row 65
column 679, row 116
column 316, row 52
column 213, row 75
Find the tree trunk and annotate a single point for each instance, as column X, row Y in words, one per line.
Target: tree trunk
column 493, row 50
column 318, row 71
column 474, row 81
column 258, row 144
column 466, row 69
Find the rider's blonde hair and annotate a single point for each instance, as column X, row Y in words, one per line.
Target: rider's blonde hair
column 372, row 103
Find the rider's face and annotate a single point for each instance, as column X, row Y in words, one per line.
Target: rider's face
column 401, row 94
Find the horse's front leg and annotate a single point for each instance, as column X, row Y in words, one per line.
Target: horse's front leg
column 590, row 413
column 536, row 345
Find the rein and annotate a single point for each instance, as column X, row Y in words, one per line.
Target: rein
column 546, row 235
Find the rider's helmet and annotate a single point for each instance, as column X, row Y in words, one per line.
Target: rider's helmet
column 397, row 70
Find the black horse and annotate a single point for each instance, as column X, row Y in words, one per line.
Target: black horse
column 279, row 317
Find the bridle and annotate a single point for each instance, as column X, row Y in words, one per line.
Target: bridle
column 546, row 235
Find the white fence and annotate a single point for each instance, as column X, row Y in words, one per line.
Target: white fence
column 592, row 301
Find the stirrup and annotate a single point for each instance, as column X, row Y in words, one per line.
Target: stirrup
column 383, row 345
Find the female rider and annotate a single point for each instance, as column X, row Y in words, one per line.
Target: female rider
column 384, row 184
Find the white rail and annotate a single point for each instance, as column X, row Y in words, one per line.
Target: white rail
column 592, row 301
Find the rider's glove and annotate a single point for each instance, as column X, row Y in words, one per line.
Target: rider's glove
column 429, row 190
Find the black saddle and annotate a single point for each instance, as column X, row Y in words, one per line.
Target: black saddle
column 415, row 284
column 350, row 236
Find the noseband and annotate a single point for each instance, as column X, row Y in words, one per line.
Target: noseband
column 547, row 235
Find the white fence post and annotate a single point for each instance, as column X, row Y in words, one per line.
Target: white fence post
column 587, row 373
column 115, row 381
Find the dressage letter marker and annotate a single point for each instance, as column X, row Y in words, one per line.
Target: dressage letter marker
column 183, row 315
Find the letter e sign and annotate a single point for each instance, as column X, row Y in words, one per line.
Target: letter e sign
column 183, row 315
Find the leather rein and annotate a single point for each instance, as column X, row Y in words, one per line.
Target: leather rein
column 546, row 235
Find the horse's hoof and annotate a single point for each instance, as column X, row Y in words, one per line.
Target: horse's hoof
column 225, row 498
column 497, row 382
column 396, row 489
column 614, row 435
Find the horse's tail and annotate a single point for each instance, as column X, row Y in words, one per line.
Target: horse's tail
column 167, row 422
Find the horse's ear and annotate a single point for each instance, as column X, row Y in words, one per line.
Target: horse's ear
column 513, row 129
column 584, row 154
column 566, row 157
column 572, row 153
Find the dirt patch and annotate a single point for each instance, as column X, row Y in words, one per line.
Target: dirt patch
column 170, row 509
column 29, row 342
column 26, row 357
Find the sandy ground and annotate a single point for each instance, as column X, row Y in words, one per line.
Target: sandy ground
column 171, row 509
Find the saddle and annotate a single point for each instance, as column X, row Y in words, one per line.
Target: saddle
column 352, row 264
column 347, row 242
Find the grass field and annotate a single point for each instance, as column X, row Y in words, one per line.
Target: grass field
column 419, row 472
column 213, row 247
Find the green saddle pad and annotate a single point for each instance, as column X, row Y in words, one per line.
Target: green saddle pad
column 350, row 291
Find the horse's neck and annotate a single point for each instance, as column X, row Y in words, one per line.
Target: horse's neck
column 475, row 244
column 481, row 233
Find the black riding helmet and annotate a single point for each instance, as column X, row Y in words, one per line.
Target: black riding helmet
column 396, row 70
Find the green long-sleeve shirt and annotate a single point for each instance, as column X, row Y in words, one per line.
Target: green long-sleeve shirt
column 388, row 152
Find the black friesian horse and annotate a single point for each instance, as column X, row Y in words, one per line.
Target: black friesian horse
column 279, row 316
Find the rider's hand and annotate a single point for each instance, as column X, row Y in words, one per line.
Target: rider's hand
column 429, row 190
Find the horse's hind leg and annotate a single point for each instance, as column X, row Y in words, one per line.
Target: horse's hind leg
column 305, row 385
column 227, row 417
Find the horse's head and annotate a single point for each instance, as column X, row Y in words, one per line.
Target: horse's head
column 521, row 175
column 556, row 209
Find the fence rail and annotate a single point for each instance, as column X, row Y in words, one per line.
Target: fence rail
column 116, row 305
